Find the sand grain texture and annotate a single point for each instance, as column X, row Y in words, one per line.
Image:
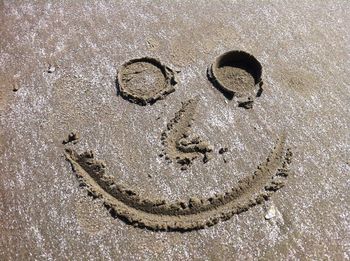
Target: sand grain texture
column 59, row 67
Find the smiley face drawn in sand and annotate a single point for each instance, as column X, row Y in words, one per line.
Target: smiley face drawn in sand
column 146, row 80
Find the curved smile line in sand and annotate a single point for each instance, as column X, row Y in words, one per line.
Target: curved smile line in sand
column 194, row 214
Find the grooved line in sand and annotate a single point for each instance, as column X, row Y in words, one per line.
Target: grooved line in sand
column 176, row 141
column 196, row 213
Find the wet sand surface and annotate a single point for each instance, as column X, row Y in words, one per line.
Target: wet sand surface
column 59, row 66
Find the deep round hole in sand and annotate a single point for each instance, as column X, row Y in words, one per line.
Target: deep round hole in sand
column 236, row 72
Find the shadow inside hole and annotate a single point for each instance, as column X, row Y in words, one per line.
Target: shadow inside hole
column 235, row 59
column 242, row 60
column 228, row 94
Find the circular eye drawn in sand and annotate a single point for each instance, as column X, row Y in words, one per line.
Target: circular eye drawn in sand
column 237, row 74
column 145, row 80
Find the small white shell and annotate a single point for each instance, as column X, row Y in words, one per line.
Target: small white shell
column 51, row 69
column 271, row 213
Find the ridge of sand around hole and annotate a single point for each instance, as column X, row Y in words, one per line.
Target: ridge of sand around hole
column 145, row 80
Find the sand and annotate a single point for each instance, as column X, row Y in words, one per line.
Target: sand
column 101, row 83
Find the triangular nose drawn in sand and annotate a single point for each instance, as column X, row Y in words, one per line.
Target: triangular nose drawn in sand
column 179, row 143
column 192, row 214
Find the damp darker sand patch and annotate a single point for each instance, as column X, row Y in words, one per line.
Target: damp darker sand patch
column 145, row 80
column 194, row 213
column 179, row 144
column 237, row 74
